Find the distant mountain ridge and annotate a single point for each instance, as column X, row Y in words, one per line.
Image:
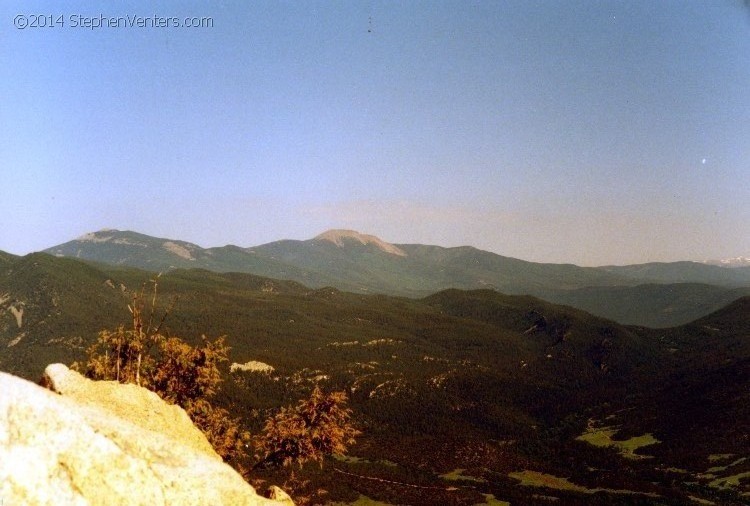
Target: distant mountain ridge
column 362, row 263
column 345, row 259
column 740, row 261
column 683, row 272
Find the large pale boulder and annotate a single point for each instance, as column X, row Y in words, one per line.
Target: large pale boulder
column 99, row 442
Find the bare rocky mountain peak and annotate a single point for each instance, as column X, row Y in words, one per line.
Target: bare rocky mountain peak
column 178, row 249
column 109, row 235
column 103, row 235
column 338, row 237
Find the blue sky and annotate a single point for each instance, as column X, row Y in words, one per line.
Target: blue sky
column 584, row 132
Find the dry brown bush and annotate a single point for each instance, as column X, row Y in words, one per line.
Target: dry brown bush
column 189, row 376
column 316, row 427
column 179, row 373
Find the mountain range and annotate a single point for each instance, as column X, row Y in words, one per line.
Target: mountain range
column 653, row 294
column 464, row 397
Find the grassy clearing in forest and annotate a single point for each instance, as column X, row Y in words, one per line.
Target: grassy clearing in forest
column 490, row 500
column 602, row 437
column 457, row 474
column 351, row 459
column 537, row 479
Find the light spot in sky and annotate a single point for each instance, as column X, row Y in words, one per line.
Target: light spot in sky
column 703, row 161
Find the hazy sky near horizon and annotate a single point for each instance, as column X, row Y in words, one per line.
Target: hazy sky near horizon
column 593, row 132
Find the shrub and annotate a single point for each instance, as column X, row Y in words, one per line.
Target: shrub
column 185, row 374
column 317, row 427
column 125, row 355
column 189, row 376
column 178, row 372
column 119, row 355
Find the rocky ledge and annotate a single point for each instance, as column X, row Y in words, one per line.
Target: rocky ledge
column 99, row 442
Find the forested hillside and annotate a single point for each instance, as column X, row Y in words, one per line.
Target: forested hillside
column 461, row 397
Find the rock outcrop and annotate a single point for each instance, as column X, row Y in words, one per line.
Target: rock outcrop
column 338, row 237
column 99, row 442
